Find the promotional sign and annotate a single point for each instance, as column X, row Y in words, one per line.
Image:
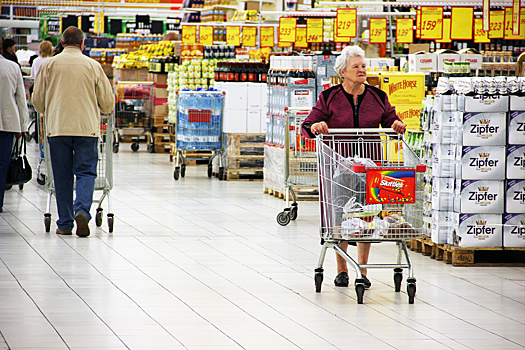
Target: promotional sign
column 287, row 29
column 404, row 30
column 446, row 32
column 486, row 15
column 497, row 20
column 346, row 23
column 515, row 17
column 314, row 30
column 267, row 37
column 249, row 36
column 431, row 22
column 480, row 36
column 206, row 35
column 378, row 30
column 189, row 34
column 388, row 186
column 233, row 35
column 462, row 19
column 508, row 34
column 300, row 39
column 418, row 23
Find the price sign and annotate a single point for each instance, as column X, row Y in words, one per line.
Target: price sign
column 497, row 21
column 462, row 18
column 446, row 32
column 284, row 44
column 300, row 39
column 404, row 30
column 206, row 35
column 189, row 34
column 341, row 39
column 431, row 22
column 486, row 15
column 287, row 32
column 249, row 36
column 267, row 37
column 378, row 30
column 418, row 23
column 233, row 35
column 53, row 26
column 346, row 23
column 480, row 36
column 314, row 30
column 515, row 17
column 508, row 35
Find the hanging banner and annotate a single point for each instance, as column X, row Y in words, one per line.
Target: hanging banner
column 418, row 23
column 233, row 35
column 480, row 36
column 287, row 29
column 446, row 32
column 249, row 36
column 486, row 15
column 346, row 23
column 404, row 30
column 314, row 30
column 508, row 35
column 267, row 37
column 461, row 20
column 378, row 30
column 206, row 35
column 497, row 21
column 431, row 22
column 300, row 39
column 189, row 34
column 515, row 17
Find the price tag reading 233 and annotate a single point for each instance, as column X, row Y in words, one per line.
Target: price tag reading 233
column 390, row 186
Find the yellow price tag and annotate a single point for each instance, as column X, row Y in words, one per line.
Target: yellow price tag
column 497, row 21
column 300, row 39
column 206, row 35
column 418, row 23
column 480, row 36
column 189, row 34
column 267, row 37
column 314, row 30
column 508, row 25
column 431, row 22
column 287, row 32
column 233, row 35
column 404, row 30
column 446, row 32
column 284, row 44
column 462, row 19
column 378, row 30
column 249, row 36
column 346, row 23
column 515, row 17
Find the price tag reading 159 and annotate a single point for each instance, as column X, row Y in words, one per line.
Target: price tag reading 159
column 431, row 22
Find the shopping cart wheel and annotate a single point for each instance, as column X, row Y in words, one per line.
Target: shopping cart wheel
column 283, row 218
column 183, row 170
column 115, row 147
column 398, row 277
column 111, row 220
column 135, row 146
column 98, row 217
column 176, row 173
column 210, row 170
column 359, row 291
column 411, row 289
column 41, row 179
column 222, row 174
column 47, row 222
column 318, row 278
column 151, row 148
column 293, row 211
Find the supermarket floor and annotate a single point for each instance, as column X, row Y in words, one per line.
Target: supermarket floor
column 202, row 264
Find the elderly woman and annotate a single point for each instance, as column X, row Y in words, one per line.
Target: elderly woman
column 45, row 51
column 352, row 104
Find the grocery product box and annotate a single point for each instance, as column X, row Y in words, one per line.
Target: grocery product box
column 254, row 95
column 120, row 74
column 517, row 103
column 236, row 96
column 516, row 128
column 446, row 103
column 482, row 162
column 324, row 60
column 382, row 63
column 161, row 92
column 515, row 196
column 486, row 103
column 253, row 121
column 475, row 60
column 444, row 160
column 301, row 95
column 160, row 109
column 514, row 230
column 478, row 230
column 409, row 114
column 443, row 193
column 484, row 129
column 422, row 62
column 403, row 88
column 443, row 56
column 442, row 226
column 157, row 78
column 479, row 196
column 235, row 121
column 515, row 162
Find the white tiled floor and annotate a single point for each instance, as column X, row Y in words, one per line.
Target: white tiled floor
column 202, row 264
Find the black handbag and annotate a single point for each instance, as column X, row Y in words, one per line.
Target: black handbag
column 19, row 171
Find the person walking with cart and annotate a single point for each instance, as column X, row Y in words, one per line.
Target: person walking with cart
column 14, row 117
column 72, row 90
column 351, row 104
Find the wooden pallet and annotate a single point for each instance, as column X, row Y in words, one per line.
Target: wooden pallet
column 297, row 191
column 247, row 174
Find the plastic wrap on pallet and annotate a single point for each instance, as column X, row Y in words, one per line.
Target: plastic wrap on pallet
column 273, row 168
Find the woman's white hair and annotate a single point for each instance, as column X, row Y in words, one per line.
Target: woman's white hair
column 347, row 53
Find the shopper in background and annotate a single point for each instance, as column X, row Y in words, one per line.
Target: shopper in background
column 72, row 90
column 14, row 118
column 352, row 104
column 58, row 49
column 9, row 50
column 45, row 50
column 34, row 57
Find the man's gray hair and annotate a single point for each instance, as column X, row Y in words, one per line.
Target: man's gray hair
column 72, row 36
column 347, row 53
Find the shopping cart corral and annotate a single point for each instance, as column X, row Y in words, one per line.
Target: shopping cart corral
column 103, row 181
column 300, row 162
column 371, row 190
column 199, row 128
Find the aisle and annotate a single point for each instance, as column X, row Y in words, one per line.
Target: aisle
column 202, row 264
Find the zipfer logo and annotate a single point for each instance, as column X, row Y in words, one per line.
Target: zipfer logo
column 483, row 161
column 405, row 84
column 519, row 230
column 480, row 228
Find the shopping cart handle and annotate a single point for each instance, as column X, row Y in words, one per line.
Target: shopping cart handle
column 362, row 131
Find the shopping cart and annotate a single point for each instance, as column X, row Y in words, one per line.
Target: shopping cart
column 371, row 190
column 300, row 162
column 104, row 180
column 133, row 113
column 199, row 127
column 33, row 115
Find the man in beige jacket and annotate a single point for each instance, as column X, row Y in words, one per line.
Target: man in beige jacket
column 72, row 90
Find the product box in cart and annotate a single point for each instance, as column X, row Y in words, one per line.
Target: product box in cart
column 481, row 162
column 515, row 196
column 516, row 128
column 484, row 129
column 515, row 162
column 478, row 230
column 514, row 230
column 479, row 197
